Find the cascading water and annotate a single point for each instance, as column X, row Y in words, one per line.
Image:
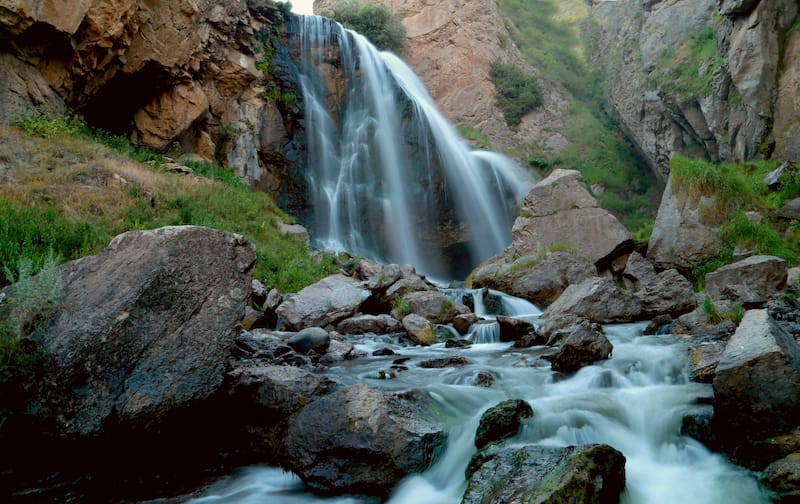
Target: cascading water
column 633, row 402
column 389, row 177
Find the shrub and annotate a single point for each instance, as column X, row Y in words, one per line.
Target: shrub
column 516, row 93
column 373, row 20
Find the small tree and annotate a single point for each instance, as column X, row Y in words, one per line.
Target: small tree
column 373, row 20
column 516, row 93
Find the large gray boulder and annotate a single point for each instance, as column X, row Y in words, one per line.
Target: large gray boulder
column 501, row 421
column 142, row 329
column 668, row 293
column 584, row 345
column 757, row 382
column 372, row 324
column 560, row 211
column 328, row 301
column 751, row 279
column 362, row 440
column 538, row 279
column 590, row 474
column 680, row 238
column 598, row 300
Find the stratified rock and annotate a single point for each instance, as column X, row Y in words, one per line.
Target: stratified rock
column 142, row 329
column 361, row 440
column 540, row 280
column 753, row 279
column 757, row 383
column 434, row 306
column 668, row 293
column 328, row 301
column 783, row 478
column 680, row 238
column 373, row 324
column 419, row 329
column 598, row 300
column 310, row 338
column 591, row 474
column 502, row 421
column 585, row 344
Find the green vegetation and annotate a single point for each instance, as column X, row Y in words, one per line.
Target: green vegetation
column 400, row 305
column 733, row 189
column 686, row 71
column 516, row 93
column 373, row 20
column 474, row 136
column 735, row 314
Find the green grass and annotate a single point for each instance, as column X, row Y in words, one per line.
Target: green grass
column 474, row 136
column 686, row 72
column 516, row 93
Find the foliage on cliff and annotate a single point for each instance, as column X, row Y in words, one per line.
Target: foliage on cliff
column 373, row 20
column 516, row 93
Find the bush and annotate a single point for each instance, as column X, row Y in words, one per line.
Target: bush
column 373, row 20
column 516, row 93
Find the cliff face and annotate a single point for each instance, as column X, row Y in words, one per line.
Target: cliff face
column 708, row 78
column 451, row 45
column 176, row 75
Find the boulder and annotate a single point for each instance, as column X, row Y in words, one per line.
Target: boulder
column 501, row 421
column 757, row 382
column 753, row 279
column 372, row 324
column 668, row 293
column 560, row 211
column 704, row 359
column 419, row 329
column 680, row 238
column 782, row 478
column 699, row 322
column 463, row 322
column 638, row 272
column 585, row 344
column 591, row 474
column 142, row 329
column 328, row 301
column 793, row 279
column 362, row 440
column 443, row 362
column 556, row 328
column 512, row 329
column 598, row 300
column 310, row 339
column 759, row 454
column 538, row 279
column 434, row 306
column 790, row 210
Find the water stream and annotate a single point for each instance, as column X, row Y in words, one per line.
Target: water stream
column 633, row 402
column 389, row 178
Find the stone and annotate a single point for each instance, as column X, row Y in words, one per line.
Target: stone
column 668, row 293
column 328, row 301
column 484, row 379
column 638, row 272
column 170, row 114
column 757, row 382
column 296, row 230
column 142, row 329
column 790, row 210
column 419, row 329
column 501, row 421
column 362, row 440
column 585, row 344
column 793, row 279
column 786, row 129
column 538, row 279
column 556, row 328
column 598, row 300
column 374, row 324
column 512, row 329
column 680, row 238
column 463, row 322
column 24, row 91
column 434, row 306
column 753, row 279
column 310, row 339
column 443, row 362
column 773, row 179
column 587, row 474
column 696, row 423
column 704, row 358
column 783, row 478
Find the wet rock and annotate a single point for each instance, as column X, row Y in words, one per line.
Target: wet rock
column 404, row 286
column 512, row 329
column 585, row 344
column 484, row 379
column 757, row 455
column 668, row 293
column 143, row 328
column 752, row 280
column 457, row 343
column 419, row 330
column 501, row 421
column 598, row 300
column 434, row 306
column 530, row 339
column 556, row 328
column 443, row 362
column 658, row 324
column 757, row 383
column 704, row 358
column 362, row 440
column 382, row 352
column 783, row 478
column 311, row 339
column 697, row 424
column 328, row 301
column 463, row 322
column 586, row 474
column 373, row 324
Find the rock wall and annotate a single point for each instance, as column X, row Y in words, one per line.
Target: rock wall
column 451, row 45
column 734, row 98
column 179, row 76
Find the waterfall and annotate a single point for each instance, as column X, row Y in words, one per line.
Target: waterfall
column 388, row 177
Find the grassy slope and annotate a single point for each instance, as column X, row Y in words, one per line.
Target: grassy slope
column 547, row 33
